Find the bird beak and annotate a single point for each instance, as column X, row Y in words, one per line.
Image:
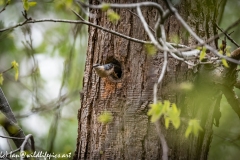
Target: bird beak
column 95, row 65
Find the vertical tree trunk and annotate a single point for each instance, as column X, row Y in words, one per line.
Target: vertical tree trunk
column 131, row 135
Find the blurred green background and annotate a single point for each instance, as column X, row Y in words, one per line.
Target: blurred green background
column 226, row 138
column 51, row 59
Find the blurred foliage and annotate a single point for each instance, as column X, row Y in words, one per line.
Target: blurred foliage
column 105, row 118
column 226, row 142
column 193, row 127
column 112, row 16
column 150, row 49
column 51, row 58
column 170, row 112
column 202, row 53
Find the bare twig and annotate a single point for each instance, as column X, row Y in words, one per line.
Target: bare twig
column 138, row 17
column 188, row 28
column 76, row 22
column 146, row 28
column 227, row 35
column 164, row 68
column 5, row 108
column 4, row 8
column 8, row 137
column 22, row 147
column 14, row 131
column 7, row 69
column 78, row 15
column 129, row 5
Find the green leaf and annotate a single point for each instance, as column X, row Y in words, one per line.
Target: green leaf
column 202, row 53
column 186, row 86
column 105, row 117
column 220, row 52
column 174, row 116
column 193, row 127
column 155, row 111
column 167, row 121
column 1, row 79
column 224, row 62
column 150, row 49
column 25, row 5
column 175, row 39
column 228, row 51
column 31, row 4
column 166, row 106
column 105, row 6
column 171, row 114
column 188, row 131
column 113, row 16
column 15, row 67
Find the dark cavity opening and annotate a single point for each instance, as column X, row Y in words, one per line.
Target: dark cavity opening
column 117, row 67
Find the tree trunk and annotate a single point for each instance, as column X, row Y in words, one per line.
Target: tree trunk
column 131, row 135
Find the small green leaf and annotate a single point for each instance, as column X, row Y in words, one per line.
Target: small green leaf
column 150, row 49
column 113, row 16
column 166, row 106
column 105, row 6
column 193, row 127
column 25, row 5
column 228, row 51
column 175, row 39
column 202, row 54
column 224, row 62
column 186, row 86
column 155, row 111
column 105, row 117
column 167, row 121
column 199, row 48
column 174, row 115
column 188, row 131
column 1, row 79
column 15, row 67
column 31, row 4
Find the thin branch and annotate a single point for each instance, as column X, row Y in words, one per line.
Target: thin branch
column 25, row 142
column 128, row 5
column 188, row 28
column 229, row 38
column 212, row 38
column 5, row 107
column 8, row 137
column 8, row 69
column 78, row 15
column 164, row 68
column 138, row 17
column 163, row 141
column 4, row 8
column 13, row 130
column 76, row 22
column 146, row 28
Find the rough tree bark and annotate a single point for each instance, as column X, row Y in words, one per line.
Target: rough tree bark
column 131, row 135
